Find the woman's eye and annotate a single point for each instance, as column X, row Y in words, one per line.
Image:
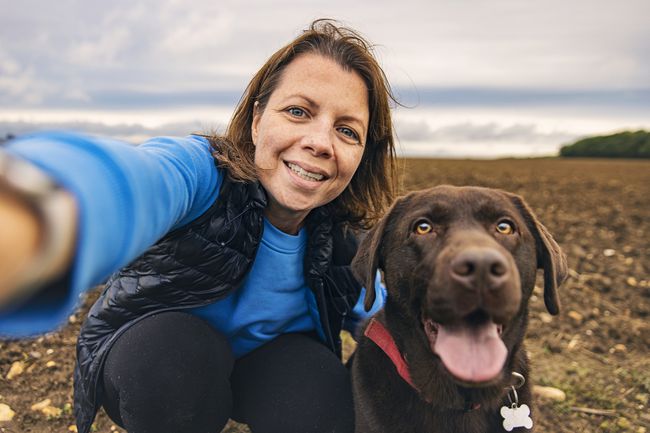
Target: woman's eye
column 423, row 228
column 349, row 133
column 505, row 228
column 296, row 112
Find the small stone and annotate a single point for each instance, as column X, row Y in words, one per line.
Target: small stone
column 576, row 317
column 643, row 398
column 629, row 261
column 606, row 283
column 573, row 343
column 41, row 404
column 545, row 317
column 51, row 411
column 641, row 430
column 632, row 282
column 16, row 369
column 6, row 414
column 72, row 319
column 51, row 364
column 620, row 348
column 549, row 393
column 623, row 423
column 35, row 354
column 609, row 252
column 46, row 408
column 577, row 251
column 49, row 351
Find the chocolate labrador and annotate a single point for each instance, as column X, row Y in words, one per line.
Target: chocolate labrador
column 446, row 353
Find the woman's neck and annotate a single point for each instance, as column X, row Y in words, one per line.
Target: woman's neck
column 287, row 221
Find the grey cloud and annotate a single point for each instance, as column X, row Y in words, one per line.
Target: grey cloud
column 24, row 91
column 468, row 132
column 531, row 96
column 76, row 49
column 413, row 131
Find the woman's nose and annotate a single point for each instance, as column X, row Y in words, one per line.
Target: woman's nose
column 319, row 141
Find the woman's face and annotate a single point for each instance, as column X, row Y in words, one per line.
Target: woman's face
column 309, row 139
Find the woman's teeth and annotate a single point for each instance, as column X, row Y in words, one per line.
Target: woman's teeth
column 304, row 173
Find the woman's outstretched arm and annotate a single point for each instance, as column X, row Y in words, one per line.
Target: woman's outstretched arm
column 127, row 197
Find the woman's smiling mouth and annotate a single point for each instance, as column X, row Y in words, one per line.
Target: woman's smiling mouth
column 304, row 174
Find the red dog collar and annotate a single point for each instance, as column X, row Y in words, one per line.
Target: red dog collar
column 377, row 332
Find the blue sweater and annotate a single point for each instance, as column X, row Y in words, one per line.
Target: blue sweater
column 131, row 196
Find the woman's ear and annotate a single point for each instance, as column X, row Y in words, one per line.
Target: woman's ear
column 257, row 114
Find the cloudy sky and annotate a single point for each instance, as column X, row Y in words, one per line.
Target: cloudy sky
column 477, row 77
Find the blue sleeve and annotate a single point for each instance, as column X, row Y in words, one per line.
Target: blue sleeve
column 128, row 197
column 359, row 314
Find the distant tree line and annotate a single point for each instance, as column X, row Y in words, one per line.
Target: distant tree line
column 628, row 144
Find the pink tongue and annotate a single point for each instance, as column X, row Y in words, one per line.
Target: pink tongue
column 471, row 354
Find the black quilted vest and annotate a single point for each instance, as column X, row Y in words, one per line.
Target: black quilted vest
column 201, row 263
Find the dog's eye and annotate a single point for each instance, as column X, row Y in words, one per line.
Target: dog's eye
column 423, row 227
column 505, row 228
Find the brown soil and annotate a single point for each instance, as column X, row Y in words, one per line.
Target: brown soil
column 596, row 351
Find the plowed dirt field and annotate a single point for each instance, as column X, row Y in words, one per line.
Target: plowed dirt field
column 596, row 350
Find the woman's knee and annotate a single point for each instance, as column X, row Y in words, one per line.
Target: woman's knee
column 170, row 369
column 293, row 384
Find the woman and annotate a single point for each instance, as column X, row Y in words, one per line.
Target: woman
column 235, row 311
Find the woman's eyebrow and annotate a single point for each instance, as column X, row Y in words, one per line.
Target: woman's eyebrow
column 351, row 118
column 307, row 99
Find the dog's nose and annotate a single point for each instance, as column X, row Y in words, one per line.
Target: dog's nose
column 475, row 268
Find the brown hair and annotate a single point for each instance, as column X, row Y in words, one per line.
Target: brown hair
column 373, row 185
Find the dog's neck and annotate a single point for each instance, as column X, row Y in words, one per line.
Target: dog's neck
column 378, row 334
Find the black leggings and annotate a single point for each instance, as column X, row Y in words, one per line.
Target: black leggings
column 172, row 372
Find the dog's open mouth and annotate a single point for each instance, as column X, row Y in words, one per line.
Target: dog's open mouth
column 471, row 350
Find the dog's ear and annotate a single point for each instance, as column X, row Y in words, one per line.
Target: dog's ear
column 549, row 256
column 369, row 258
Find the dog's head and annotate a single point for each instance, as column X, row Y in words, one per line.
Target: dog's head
column 461, row 263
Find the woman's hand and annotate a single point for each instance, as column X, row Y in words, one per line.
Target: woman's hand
column 19, row 240
column 35, row 248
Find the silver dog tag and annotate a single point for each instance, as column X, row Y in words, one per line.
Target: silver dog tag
column 516, row 416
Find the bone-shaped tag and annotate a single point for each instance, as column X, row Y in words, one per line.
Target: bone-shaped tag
column 516, row 417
